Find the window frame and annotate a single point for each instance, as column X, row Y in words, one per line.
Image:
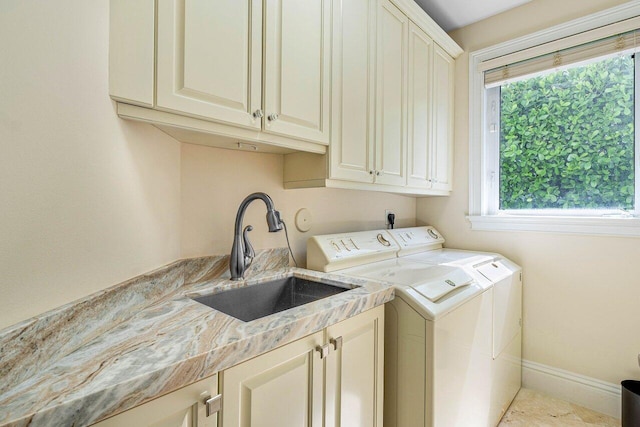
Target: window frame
column 484, row 145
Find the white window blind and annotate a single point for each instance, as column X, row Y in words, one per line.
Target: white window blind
column 614, row 39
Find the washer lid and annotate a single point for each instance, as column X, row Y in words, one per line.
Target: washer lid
column 452, row 278
column 431, row 281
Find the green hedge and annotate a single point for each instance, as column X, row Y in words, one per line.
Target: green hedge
column 567, row 138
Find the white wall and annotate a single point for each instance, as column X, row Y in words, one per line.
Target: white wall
column 86, row 200
column 582, row 293
column 215, row 181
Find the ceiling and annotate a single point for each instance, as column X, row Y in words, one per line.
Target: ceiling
column 452, row 14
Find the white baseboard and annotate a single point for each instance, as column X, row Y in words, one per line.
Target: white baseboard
column 585, row 391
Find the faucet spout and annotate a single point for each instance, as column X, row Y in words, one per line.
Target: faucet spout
column 242, row 252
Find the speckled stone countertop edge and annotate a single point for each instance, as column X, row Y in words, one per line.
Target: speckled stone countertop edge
column 227, row 342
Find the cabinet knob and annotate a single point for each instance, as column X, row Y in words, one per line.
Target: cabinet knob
column 273, row 117
column 377, row 173
column 370, row 172
column 213, row 404
column 258, row 114
column 323, row 350
column 336, row 342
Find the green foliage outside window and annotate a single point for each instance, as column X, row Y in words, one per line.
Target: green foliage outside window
column 567, row 138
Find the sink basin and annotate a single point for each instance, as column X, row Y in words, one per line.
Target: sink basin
column 256, row 301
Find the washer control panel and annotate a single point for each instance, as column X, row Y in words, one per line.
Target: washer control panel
column 336, row 251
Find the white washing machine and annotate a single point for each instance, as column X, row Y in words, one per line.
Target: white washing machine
column 453, row 332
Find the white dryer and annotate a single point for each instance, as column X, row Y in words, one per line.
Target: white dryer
column 453, row 332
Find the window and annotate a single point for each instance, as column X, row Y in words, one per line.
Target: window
column 565, row 139
column 553, row 134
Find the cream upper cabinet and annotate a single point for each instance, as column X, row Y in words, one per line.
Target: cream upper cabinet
column 420, row 107
column 210, row 63
column 210, row 60
column 430, row 159
column 298, row 385
column 392, row 103
column 215, row 72
column 181, row 408
column 391, row 135
column 353, row 90
column 297, row 68
column 443, row 93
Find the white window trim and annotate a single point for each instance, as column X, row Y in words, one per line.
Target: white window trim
column 480, row 208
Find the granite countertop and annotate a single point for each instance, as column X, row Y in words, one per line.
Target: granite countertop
column 71, row 368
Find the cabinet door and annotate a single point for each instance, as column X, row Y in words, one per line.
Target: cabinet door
column 297, row 68
column 355, row 371
column 282, row 388
column 353, row 88
column 391, row 140
column 181, row 408
column 420, row 102
column 210, row 59
column 442, row 147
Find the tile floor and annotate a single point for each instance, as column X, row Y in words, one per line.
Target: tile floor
column 533, row 409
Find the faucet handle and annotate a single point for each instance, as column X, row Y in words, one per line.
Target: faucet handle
column 249, row 253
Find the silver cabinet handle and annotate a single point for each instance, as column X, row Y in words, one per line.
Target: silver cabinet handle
column 213, row 404
column 323, row 350
column 273, row 117
column 258, row 114
column 336, row 342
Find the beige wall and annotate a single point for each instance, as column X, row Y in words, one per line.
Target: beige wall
column 86, row 199
column 581, row 293
column 89, row 200
column 215, row 181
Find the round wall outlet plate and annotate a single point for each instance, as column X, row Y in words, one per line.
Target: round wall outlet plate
column 303, row 220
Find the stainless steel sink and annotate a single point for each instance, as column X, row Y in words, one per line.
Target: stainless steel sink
column 256, row 301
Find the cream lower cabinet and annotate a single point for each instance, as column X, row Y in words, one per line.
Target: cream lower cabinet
column 296, row 385
column 181, row 408
column 355, row 371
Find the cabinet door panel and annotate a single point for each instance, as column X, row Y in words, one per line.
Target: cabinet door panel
column 442, row 154
column 297, row 68
column 181, row 408
column 282, row 388
column 353, row 89
column 209, row 58
column 419, row 137
column 392, row 77
column 354, row 372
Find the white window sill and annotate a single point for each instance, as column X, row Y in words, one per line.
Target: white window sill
column 554, row 224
